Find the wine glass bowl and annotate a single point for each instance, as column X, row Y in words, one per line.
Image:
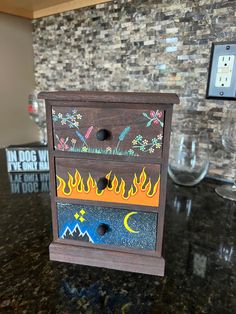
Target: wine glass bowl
column 229, row 142
column 189, row 157
column 37, row 112
column 229, row 132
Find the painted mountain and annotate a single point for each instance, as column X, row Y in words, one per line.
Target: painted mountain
column 76, row 234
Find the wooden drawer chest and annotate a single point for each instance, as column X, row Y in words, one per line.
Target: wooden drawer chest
column 108, row 167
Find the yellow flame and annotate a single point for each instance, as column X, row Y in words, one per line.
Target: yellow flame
column 141, row 191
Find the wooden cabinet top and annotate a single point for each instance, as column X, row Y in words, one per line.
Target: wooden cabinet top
column 115, row 97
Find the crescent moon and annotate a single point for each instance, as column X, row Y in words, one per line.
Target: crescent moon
column 127, row 227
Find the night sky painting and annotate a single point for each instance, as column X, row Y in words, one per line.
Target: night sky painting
column 126, row 228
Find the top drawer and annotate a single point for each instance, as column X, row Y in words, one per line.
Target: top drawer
column 109, row 131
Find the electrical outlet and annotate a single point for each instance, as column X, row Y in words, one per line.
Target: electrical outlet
column 222, row 73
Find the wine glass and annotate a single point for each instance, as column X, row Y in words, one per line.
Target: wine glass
column 37, row 112
column 229, row 143
column 189, row 151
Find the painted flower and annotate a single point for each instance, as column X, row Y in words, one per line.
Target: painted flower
column 84, row 149
column 73, row 141
column 53, row 111
column 134, row 142
column 62, row 145
column 142, row 148
column 152, row 114
column 151, row 150
column 153, row 117
column 154, row 141
column 108, row 149
column 158, row 145
column 63, row 121
column 130, row 152
column 74, row 111
column 79, row 116
column 139, row 137
column 160, row 136
column 76, row 123
column 145, row 142
column 60, row 115
column 159, row 114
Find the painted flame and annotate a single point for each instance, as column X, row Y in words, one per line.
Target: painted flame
column 141, row 192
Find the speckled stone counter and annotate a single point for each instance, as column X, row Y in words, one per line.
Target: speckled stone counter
column 199, row 246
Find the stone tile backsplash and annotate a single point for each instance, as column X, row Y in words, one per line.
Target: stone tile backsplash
column 140, row 45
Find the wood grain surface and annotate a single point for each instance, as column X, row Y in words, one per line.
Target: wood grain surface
column 106, row 97
column 128, row 183
column 114, row 111
column 108, row 259
column 130, row 132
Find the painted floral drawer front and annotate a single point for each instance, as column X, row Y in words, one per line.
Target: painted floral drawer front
column 122, row 228
column 133, row 132
column 126, row 183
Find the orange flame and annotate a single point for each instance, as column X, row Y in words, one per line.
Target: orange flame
column 141, row 192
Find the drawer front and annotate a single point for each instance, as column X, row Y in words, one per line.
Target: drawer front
column 109, row 226
column 107, row 181
column 109, row 131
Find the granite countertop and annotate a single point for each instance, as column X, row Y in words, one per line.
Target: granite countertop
column 199, row 247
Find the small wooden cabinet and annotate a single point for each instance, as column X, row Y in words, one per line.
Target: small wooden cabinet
column 108, row 167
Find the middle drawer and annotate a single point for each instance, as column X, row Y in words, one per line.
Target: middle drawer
column 108, row 181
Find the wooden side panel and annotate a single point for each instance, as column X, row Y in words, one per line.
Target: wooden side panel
column 129, row 132
column 167, row 131
column 136, row 184
column 52, row 169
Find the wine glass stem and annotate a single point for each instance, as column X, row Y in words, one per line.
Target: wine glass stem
column 43, row 135
column 234, row 167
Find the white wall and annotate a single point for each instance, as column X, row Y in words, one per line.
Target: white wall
column 16, row 80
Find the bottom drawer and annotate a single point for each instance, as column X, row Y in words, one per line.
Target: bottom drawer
column 109, row 226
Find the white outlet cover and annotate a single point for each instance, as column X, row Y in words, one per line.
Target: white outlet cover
column 222, row 71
